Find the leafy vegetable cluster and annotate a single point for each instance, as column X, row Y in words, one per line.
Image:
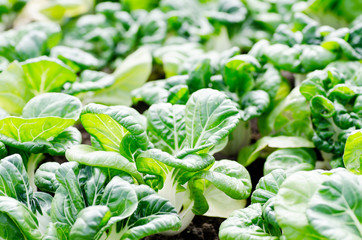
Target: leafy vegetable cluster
column 125, row 119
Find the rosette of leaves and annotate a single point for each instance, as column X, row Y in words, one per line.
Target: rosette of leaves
column 319, row 205
column 303, row 205
column 173, row 148
column 307, row 46
column 334, row 97
column 198, row 21
column 254, row 88
column 113, row 32
column 99, row 203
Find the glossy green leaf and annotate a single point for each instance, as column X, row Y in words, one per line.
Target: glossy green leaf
column 323, row 106
column 13, row 93
column 290, row 160
column 228, row 176
column 120, row 198
column 238, row 73
column 89, row 222
column 17, row 214
column 250, row 153
column 90, row 156
column 166, row 126
column 45, row 178
column 210, row 117
column 335, row 209
column 14, row 179
column 243, row 225
column 44, row 74
column 293, row 200
column 153, row 215
column 268, row 186
column 75, row 58
column 42, row 122
column 108, row 125
column 353, row 153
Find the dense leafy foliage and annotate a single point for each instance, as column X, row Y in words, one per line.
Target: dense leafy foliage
column 124, row 119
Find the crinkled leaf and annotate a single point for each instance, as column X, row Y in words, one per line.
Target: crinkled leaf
column 290, row 160
column 268, row 186
column 243, row 225
column 335, row 209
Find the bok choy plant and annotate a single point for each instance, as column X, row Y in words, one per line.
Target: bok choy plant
column 334, row 96
column 173, row 147
column 88, row 203
column 304, row 205
column 102, row 204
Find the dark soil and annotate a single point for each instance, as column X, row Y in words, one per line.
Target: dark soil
column 201, row 228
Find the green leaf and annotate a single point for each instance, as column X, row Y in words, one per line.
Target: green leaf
column 243, row 224
column 254, row 104
column 353, row 153
column 166, row 126
column 14, row 179
column 284, row 57
column 68, row 179
column 85, row 229
column 44, row 74
column 315, row 57
column 89, row 155
column 132, row 73
column 290, row 117
column 22, row 222
column 238, row 73
column 210, row 117
column 153, row 215
column 3, row 151
column 199, row 76
column 69, row 137
column 292, row 202
column 108, row 125
column 268, row 186
column 323, row 106
column 90, row 81
column 249, row 154
column 120, row 197
column 290, row 160
column 45, row 178
column 41, row 122
column 335, row 209
column 13, row 91
column 53, row 105
column 157, row 162
column 75, row 57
